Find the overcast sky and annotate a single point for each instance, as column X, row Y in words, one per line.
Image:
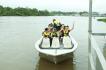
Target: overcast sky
column 57, row 5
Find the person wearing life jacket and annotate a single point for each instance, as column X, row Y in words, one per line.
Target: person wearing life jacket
column 46, row 33
column 65, row 31
column 54, row 33
column 61, row 33
column 62, row 27
column 50, row 27
column 56, row 24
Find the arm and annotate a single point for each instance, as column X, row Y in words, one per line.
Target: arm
column 72, row 28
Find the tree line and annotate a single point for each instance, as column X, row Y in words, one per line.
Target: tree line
column 7, row 11
column 19, row 11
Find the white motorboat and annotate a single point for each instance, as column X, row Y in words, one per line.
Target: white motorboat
column 56, row 54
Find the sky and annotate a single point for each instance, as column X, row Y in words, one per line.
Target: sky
column 57, row 5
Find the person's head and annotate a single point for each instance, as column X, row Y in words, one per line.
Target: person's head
column 54, row 20
column 54, row 30
column 49, row 25
column 62, row 26
column 67, row 27
column 46, row 29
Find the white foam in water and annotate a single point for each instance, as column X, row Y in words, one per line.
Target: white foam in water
column 46, row 43
column 67, row 42
column 55, row 43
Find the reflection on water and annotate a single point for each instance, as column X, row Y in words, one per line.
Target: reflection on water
column 46, row 65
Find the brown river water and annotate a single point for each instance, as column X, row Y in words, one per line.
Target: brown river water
column 19, row 34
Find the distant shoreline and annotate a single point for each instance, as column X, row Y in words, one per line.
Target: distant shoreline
column 19, row 11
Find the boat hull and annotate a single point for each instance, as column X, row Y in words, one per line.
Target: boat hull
column 56, row 55
column 56, row 59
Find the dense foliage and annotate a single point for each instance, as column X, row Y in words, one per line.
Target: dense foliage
column 7, row 11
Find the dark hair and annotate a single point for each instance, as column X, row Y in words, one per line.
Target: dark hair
column 49, row 24
column 67, row 26
column 54, row 19
column 46, row 29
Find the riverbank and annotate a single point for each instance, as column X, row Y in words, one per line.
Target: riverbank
column 25, row 11
column 103, row 19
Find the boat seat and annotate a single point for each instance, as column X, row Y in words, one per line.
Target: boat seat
column 45, row 43
column 67, row 43
column 55, row 43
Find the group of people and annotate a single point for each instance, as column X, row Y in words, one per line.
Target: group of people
column 56, row 29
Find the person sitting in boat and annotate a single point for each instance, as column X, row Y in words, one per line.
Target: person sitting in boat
column 54, row 33
column 65, row 31
column 62, row 27
column 61, row 33
column 46, row 33
column 50, row 27
column 56, row 24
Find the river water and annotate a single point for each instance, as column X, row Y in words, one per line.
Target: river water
column 19, row 34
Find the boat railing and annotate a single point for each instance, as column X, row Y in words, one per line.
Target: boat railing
column 96, row 59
